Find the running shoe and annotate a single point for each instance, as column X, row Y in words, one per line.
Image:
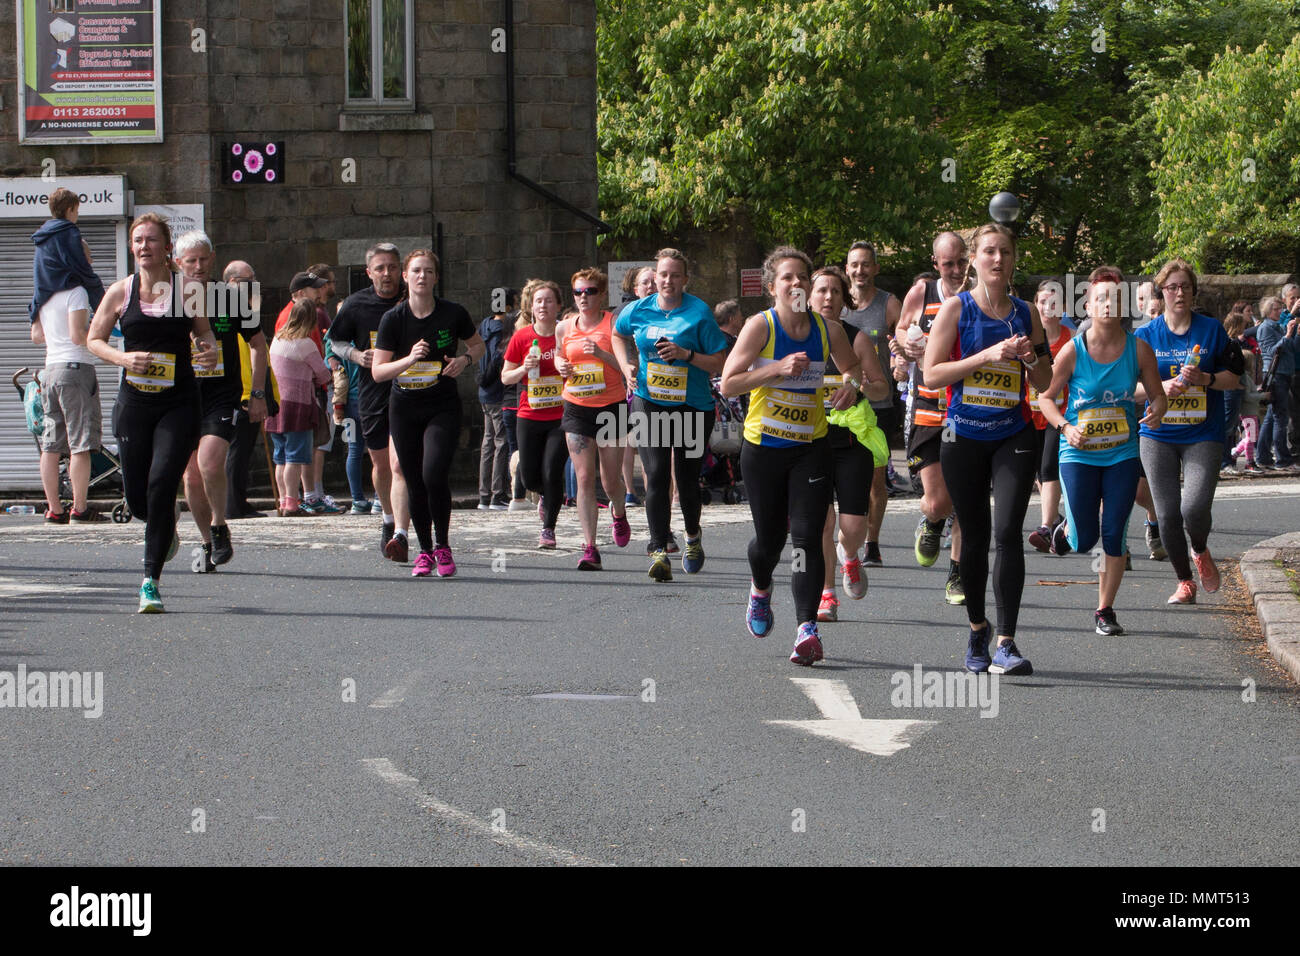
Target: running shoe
column 927, row 541
column 423, row 565
column 758, row 617
column 442, row 558
column 546, row 539
column 807, row 645
column 518, row 504
column 671, row 546
column 873, row 559
column 953, row 592
column 1228, row 471
column 150, row 601
column 385, row 536
column 222, row 549
column 852, row 576
column 977, row 650
column 1105, row 622
column 693, row 556
column 590, row 558
column 377, row 507
column 1007, row 660
column 1206, row 570
column 297, row 512
column 308, row 506
column 1153, row 542
column 397, row 550
column 1061, row 538
column 361, row 508
column 829, row 608
column 1185, row 593
column 1253, row 469
column 89, row 516
column 622, row 530
column 631, row 500
column 60, row 518
column 173, row 547
column 499, row 504
column 327, row 506
column 660, row 569
column 1041, row 539
column 207, row 565
column 485, row 504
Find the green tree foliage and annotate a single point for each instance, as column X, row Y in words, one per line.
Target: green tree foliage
column 1229, row 175
column 814, row 118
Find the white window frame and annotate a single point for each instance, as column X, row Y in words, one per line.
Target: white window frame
column 376, row 102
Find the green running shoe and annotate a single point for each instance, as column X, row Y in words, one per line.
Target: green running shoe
column 150, row 602
column 927, row 541
column 660, row 569
column 952, row 591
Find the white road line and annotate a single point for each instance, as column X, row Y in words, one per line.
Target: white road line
column 383, row 768
column 842, row 722
column 393, row 697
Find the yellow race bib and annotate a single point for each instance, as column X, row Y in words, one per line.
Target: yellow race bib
column 586, row 378
column 373, row 336
column 666, row 384
column 420, row 375
column 159, row 376
column 1188, row 408
column 995, row 385
column 789, row 415
column 544, row 392
column 1103, row 428
column 831, row 385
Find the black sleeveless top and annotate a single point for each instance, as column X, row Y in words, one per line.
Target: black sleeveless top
column 170, row 376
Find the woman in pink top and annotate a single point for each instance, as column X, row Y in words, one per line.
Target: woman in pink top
column 595, row 409
column 299, row 369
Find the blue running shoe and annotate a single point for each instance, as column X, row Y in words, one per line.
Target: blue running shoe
column 1007, row 660
column 807, row 645
column 693, row 556
column 977, row 651
column 150, row 602
column 759, row 616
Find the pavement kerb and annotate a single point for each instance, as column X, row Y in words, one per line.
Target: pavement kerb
column 1275, row 602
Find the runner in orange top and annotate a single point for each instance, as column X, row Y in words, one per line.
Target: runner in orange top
column 595, row 406
column 1050, row 307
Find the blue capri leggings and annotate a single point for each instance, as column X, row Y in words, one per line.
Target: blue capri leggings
column 1098, row 500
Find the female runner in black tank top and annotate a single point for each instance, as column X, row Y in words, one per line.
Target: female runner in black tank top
column 156, row 419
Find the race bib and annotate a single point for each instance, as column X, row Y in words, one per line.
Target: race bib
column 373, row 336
column 420, row 375
column 789, row 415
column 1188, row 408
column 158, row 377
column 1031, row 394
column 832, row 384
column 544, row 392
column 587, row 378
column 666, row 384
column 1103, row 428
column 217, row 371
column 995, row 385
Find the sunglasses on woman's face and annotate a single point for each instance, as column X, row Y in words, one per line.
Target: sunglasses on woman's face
column 578, row 292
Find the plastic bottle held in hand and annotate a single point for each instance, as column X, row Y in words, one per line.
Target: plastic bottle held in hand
column 1192, row 362
column 914, row 333
column 535, row 352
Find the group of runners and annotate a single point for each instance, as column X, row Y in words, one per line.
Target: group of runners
column 997, row 398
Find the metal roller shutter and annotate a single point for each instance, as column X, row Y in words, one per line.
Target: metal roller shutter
column 19, row 461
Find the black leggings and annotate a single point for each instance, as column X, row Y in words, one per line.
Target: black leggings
column 542, row 454
column 789, row 485
column 155, row 442
column 970, row 468
column 425, row 441
column 676, row 437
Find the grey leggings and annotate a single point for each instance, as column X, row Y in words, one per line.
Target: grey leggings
column 1187, row 508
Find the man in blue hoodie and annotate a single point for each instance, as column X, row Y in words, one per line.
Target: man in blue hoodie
column 60, row 263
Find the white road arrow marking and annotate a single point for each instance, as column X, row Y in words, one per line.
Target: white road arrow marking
column 843, row 722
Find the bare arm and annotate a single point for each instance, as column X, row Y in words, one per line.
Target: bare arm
column 1149, row 373
column 102, row 325
column 258, row 359
column 38, row 333
column 849, row 362
column 474, row 349
column 874, row 383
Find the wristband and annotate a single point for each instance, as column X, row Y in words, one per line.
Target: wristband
column 1041, row 349
column 691, row 358
column 1030, row 364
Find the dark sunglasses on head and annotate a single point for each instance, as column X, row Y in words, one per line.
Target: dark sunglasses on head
column 578, row 292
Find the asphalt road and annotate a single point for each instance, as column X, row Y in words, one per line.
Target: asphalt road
column 227, row 735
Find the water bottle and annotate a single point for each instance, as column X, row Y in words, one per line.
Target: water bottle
column 21, row 510
column 914, row 333
column 535, row 352
column 1193, row 360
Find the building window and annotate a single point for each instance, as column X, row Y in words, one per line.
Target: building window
column 381, row 53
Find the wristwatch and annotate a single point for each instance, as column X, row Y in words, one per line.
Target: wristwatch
column 257, row 393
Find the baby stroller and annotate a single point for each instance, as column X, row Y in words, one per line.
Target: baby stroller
column 105, row 469
column 721, row 468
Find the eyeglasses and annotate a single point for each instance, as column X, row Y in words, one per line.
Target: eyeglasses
column 1175, row 288
column 578, row 292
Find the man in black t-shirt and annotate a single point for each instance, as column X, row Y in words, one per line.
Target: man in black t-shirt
column 352, row 337
column 220, row 392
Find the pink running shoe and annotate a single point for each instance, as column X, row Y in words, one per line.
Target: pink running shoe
column 423, row 565
column 446, row 566
column 807, row 645
column 622, row 531
column 1207, row 570
column 590, row 558
column 546, row 540
column 1186, row 593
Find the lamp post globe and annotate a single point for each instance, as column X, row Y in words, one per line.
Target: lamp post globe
column 1004, row 207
